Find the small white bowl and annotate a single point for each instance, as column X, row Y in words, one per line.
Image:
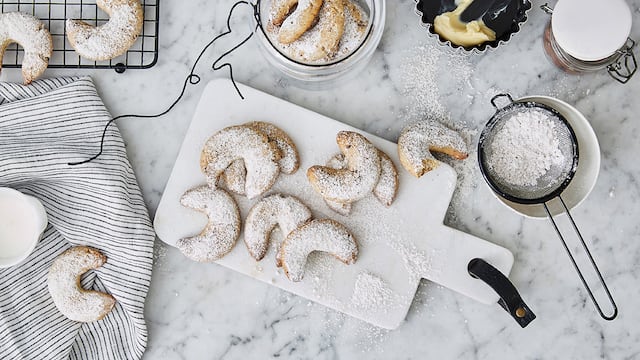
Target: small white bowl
column 588, row 162
column 25, row 218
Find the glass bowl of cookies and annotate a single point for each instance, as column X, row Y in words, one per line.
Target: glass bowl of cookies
column 319, row 41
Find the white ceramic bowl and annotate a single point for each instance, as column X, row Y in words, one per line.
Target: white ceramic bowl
column 25, row 219
column 588, row 163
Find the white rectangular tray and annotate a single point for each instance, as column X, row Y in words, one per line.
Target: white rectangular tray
column 398, row 245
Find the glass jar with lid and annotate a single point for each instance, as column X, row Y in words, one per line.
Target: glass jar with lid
column 591, row 35
column 351, row 58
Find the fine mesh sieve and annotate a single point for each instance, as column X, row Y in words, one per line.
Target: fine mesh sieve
column 562, row 144
column 545, row 187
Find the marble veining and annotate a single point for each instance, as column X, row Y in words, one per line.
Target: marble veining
column 205, row 311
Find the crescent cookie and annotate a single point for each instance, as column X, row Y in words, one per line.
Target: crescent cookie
column 284, row 211
column 35, row 39
column 385, row 190
column 289, row 158
column 235, row 175
column 113, row 38
column 354, row 182
column 356, row 14
column 342, row 208
column 63, row 281
column 299, row 21
column 260, row 157
column 280, row 9
column 331, row 25
column 387, row 187
column 223, row 227
column 417, row 141
column 317, row 235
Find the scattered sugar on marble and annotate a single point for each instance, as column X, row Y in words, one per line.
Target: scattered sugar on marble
column 159, row 255
column 420, row 69
column 468, row 175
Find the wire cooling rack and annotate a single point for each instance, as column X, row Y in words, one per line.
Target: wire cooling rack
column 142, row 55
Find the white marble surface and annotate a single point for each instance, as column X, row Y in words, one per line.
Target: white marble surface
column 205, row 311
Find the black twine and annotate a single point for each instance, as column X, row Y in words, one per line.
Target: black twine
column 192, row 79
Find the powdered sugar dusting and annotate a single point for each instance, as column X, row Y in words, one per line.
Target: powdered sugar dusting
column 417, row 262
column 421, row 67
column 235, row 177
column 372, row 293
column 525, row 148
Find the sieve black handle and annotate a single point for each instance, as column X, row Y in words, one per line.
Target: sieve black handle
column 496, row 97
column 510, row 299
column 575, row 265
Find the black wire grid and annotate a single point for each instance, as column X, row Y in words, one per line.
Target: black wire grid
column 142, row 55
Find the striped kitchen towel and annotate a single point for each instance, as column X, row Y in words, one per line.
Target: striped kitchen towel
column 43, row 127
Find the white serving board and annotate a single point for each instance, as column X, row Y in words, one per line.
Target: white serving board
column 399, row 245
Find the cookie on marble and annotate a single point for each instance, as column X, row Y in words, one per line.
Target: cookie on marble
column 418, row 140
